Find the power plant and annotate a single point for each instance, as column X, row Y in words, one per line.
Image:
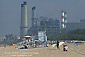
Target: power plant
column 48, row 24
column 24, row 27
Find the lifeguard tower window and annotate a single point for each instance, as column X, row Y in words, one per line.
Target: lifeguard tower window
column 27, row 38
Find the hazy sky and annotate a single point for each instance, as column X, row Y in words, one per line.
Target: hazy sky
column 10, row 12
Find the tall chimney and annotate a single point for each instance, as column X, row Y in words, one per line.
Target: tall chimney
column 23, row 28
column 63, row 19
column 34, row 16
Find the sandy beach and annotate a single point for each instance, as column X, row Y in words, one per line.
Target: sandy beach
column 74, row 50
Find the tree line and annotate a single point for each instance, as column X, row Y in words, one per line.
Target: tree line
column 78, row 34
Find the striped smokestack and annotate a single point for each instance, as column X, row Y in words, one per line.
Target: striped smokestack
column 63, row 19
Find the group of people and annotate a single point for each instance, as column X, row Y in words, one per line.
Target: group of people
column 65, row 47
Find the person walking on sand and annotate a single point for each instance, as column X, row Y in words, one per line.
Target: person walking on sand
column 57, row 44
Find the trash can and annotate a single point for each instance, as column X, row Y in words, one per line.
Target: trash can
column 65, row 48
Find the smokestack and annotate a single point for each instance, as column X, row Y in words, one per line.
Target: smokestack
column 63, row 19
column 33, row 16
column 23, row 28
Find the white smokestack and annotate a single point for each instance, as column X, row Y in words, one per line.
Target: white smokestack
column 23, row 29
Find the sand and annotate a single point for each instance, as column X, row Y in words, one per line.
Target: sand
column 74, row 50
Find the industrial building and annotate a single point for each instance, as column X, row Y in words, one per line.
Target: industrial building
column 50, row 25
